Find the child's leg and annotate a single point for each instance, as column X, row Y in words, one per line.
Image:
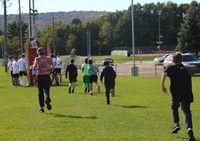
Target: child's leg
column 107, row 87
column 175, row 114
column 185, row 106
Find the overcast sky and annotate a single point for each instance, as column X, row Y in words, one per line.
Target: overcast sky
column 78, row 5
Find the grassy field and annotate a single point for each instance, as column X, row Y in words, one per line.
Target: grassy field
column 139, row 112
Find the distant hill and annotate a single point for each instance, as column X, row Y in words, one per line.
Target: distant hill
column 43, row 19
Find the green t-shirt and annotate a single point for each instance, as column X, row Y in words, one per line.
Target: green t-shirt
column 85, row 68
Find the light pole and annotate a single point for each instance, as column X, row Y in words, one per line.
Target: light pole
column 20, row 25
column 88, row 43
column 5, row 36
column 134, row 69
column 159, row 36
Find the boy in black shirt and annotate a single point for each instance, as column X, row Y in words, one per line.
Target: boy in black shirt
column 72, row 71
column 109, row 80
column 181, row 92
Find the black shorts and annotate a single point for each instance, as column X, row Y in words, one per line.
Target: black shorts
column 72, row 80
column 22, row 73
column 16, row 75
column 93, row 78
column 56, row 71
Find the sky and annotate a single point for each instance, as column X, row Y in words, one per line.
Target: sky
column 77, row 5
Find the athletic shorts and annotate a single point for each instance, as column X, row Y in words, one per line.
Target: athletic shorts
column 22, row 73
column 72, row 80
column 16, row 75
column 56, row 71
column 93, row 78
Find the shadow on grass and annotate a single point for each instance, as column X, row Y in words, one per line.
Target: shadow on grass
column 131, row 106
column 69, row 116
column 185, row 138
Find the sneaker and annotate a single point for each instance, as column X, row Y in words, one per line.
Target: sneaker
column 90, row 92
column 98, row 89
column 85, row 90
column 175, row 129
column 108, row 102
column 49, row 107
column 72, row 90
column 41, row 110
column 191, row 135
column 112, row 92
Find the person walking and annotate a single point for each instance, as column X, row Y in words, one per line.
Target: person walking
column 43, row 64
column 9, row 67
column 93, row 70
column 15, row 71
column 23, row 70
column 109, row 76
column 85, row 75
column 72, row 72
column 58, row 66
column 181, row 92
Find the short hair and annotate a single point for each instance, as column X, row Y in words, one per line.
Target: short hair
column 11, row 56
column 16, row 57
column 86, row 60
column 177, row 57
column 106, row 63
column 90, row 61
column 72, row 60
column 40, row 50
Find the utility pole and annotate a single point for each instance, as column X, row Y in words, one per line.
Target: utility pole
column 34, row 13
column 20, row 27
column 134, row 68
column 54, row 48
column 30, row 20
column 5, row 36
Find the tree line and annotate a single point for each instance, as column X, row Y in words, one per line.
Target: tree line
column 179, row 30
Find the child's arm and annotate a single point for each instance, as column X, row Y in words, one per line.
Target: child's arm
column 164, row 75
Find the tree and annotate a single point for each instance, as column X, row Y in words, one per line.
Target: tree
column 189, row 35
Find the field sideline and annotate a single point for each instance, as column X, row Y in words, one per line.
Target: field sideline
column 139, row 112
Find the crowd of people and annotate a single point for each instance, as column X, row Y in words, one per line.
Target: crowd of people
column 47, row 69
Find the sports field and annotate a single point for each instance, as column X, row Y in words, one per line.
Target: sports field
column 139, row 112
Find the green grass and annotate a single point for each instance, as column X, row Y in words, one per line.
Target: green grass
column 117, row 58
column 139, row 112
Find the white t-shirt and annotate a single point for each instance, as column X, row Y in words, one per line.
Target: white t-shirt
column 22, row 64
column 54, row 62
column 58, row 63
column 10, row 65
column 15, row 67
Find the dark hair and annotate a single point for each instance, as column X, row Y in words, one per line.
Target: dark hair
column 106, row 63
column 90, row 61
column 177, row 57
column 16, row 57
column 11, row 56
column 72, row 60
column 86, row 60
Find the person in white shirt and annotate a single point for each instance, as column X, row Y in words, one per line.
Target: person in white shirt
column 58, row 66
column 23, row 70
column 9, row 68
column 54, row 71
column 15, row 71
column 33, row 42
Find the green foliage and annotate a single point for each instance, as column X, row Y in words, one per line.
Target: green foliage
column 114, row 29
column 139, row 112
column 188, row 40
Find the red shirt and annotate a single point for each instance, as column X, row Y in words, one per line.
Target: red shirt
column 44, row 64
